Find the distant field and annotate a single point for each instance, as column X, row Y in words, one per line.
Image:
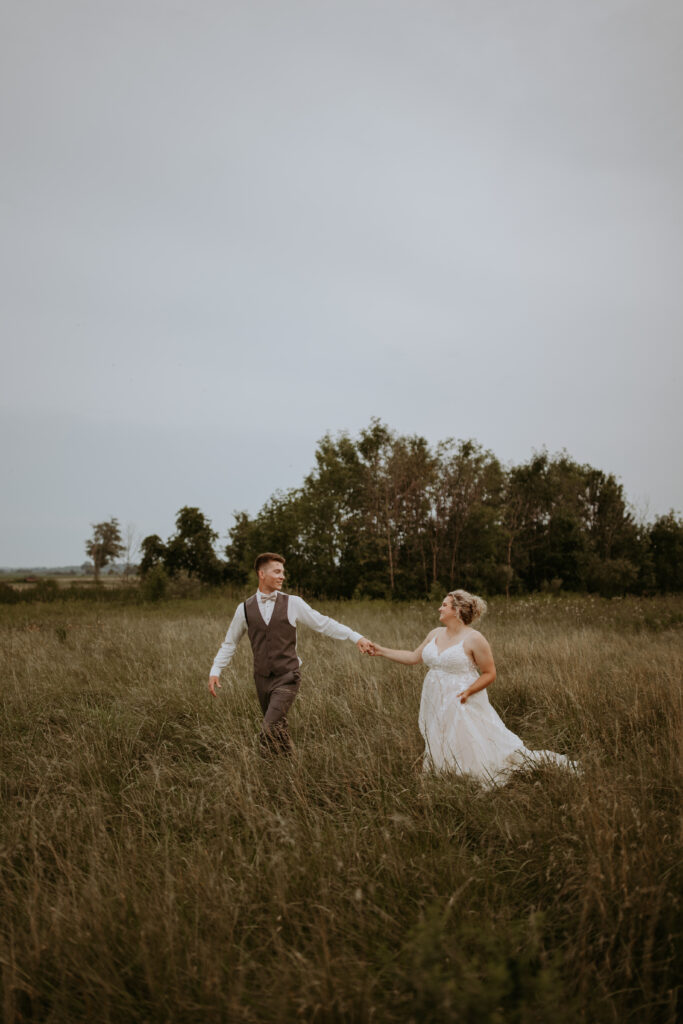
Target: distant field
column 154, row 869
column 19, row 582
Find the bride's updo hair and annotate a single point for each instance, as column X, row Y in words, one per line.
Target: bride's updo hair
column 468, row 606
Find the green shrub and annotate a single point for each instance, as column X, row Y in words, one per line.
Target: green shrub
column 8, row 595
column 155, row 584
column 44, row 590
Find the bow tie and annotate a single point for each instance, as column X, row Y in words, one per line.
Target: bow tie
column 267, row 597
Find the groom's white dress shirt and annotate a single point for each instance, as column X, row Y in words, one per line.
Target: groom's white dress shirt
column 297, row 611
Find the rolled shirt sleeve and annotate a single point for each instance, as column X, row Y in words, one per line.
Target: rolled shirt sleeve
column 299, row 611
column 236, row 631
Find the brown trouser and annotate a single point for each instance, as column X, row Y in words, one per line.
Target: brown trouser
column 276, row 695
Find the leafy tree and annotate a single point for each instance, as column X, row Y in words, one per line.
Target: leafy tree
column 189, row 551
column 240, row 551
column 469, row 479
column 384, row 514
column 605, row 512
column 394, row 502
column 379, row 500
column 522, row 501
column 332, row 506
column 561, row 544
column 411, row 470
column 611, row 577
column 666, row 542
column 153, row 553
column 105, row 545
column 191, row 548
column 278, row 528
column 618, row 559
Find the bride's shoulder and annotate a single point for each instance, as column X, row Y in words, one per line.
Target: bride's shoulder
column 475, row 640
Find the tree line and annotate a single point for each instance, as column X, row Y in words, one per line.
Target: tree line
column 388, row 515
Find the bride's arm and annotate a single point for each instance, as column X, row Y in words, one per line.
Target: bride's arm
column 403, row 657
column 483, row 659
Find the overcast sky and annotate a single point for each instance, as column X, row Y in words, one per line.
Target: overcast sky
column 230, row 226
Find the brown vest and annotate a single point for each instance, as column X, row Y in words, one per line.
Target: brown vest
column 274, row 645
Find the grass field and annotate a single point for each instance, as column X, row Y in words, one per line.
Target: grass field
column 154, row 869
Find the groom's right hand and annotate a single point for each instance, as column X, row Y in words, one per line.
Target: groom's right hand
column 213, row 683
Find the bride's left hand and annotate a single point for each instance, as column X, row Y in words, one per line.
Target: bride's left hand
column 463, row 695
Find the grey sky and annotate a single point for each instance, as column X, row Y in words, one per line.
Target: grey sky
column 229, row 227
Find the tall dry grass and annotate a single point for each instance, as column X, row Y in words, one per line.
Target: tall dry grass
column 154, row 868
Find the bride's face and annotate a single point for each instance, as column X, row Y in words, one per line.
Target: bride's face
column 447, row 612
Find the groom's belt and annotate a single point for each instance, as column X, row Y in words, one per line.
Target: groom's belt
column 283, row 679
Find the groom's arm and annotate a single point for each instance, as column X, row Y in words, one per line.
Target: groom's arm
column 302, row 612
column 236, row 631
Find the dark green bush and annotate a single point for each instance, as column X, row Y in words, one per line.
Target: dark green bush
column 8, row 595
column 155, row 584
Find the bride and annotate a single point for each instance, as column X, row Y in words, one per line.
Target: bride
column 461, row 729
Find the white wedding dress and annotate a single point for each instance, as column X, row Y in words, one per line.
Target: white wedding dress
column 468, row 738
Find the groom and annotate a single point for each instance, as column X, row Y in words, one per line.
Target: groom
column 270, row 618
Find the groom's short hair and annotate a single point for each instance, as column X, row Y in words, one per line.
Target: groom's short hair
column 267, row 556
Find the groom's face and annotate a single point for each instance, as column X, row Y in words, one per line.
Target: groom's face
column 271, row 576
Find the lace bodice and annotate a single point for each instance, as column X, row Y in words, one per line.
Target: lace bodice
column 453, row 661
